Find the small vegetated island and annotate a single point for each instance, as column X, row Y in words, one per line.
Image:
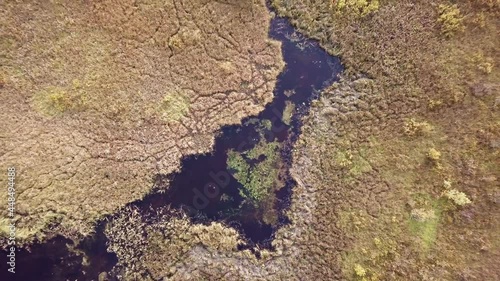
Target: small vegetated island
column 258, row 171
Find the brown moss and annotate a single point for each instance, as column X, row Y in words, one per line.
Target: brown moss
column 99, row 101
column 342, row 223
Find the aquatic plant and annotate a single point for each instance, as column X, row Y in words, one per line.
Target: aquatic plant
column 288, row 112
column 263, row 148
column 266, row 124
column 260, row 179
column 238, row 166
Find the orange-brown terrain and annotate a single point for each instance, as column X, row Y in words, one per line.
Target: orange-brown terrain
column 99, row 96
column 398, row 165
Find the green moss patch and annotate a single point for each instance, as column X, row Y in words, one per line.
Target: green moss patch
column 259, row 179
column 57, row 100
column 174, row 106
column 425, row 217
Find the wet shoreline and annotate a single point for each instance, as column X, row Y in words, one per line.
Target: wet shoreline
column 308, row 69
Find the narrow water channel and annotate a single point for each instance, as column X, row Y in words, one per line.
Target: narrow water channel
column 205, row 179
column 205, row 188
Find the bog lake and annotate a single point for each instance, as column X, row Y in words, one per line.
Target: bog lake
column 203, row 185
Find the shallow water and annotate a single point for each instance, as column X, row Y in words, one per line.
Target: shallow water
column 198, row 187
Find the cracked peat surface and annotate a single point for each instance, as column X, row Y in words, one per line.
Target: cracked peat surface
column 197, row 189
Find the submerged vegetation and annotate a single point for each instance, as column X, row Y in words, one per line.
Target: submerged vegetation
column 259, row 171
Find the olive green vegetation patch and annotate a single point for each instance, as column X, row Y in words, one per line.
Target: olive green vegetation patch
column 259, row 179
column 425, row 224
column 354, row 163
column 263, row 148
column 450, row 19
column 375, row 244
column 425, row 230
column 174, row 106
column 266, row 124
column 55, row 101
column 288, row 112
column 359, row 8
column 359, row 166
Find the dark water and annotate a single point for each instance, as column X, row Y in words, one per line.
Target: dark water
column 54, row 261
column 204, row 180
